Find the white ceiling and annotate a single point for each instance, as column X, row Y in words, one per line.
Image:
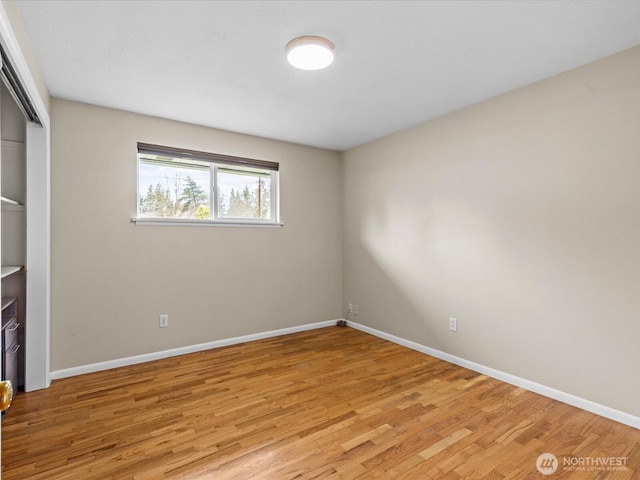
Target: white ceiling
column 222, row 64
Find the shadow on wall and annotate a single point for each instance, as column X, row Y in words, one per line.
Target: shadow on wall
column 437, row 257
column 519, row 216
column 441, row 259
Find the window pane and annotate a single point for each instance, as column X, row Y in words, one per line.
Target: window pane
column 173, row 188
column 244, row 193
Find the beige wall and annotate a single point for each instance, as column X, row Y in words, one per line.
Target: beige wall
column 519, row 216
column 112, row 279
column 20, row 30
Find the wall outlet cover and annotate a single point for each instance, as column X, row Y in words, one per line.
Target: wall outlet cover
column 453, row 324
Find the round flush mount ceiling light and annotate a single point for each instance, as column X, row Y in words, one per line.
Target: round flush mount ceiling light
column 310, row 52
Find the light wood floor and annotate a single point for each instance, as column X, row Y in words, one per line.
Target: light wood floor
column 330, row 403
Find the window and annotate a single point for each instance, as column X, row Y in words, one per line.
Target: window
column 190, row 186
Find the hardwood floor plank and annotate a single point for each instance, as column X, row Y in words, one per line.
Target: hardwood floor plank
column 333, row 403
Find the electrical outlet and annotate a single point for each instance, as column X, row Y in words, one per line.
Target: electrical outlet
column 453, row 324
column 351, row 308
column 356, row 310
column 164, row 321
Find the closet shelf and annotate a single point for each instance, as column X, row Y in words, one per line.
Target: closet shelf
column 10, row 269
column 8, row 201
column 6, row 301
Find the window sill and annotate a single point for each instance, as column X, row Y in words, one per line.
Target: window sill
column 185, row 222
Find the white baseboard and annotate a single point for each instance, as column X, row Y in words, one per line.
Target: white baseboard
column 568, row 398
column 564, row 397
column 147, row 357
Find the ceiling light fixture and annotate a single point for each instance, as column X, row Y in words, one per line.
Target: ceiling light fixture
column 310, row 52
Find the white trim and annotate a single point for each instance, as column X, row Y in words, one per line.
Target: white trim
column 213, row 188
column 549, row 392
column 187, row 222
column 275, row 195
column 38, row 293
column 38, row 197
column 148, row 357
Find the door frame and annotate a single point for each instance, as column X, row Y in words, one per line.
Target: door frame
column 38, row 262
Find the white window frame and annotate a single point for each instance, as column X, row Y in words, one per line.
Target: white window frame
column 274, row 213
column 274, row 201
